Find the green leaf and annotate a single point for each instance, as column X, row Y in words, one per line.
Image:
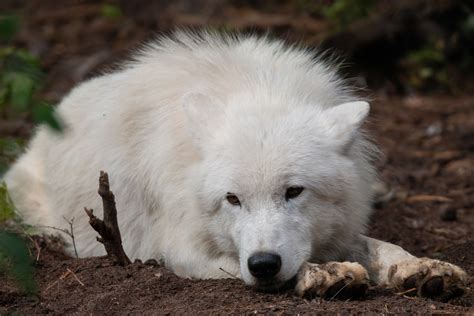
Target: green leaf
column 16, row 262
column 344, row 12
column 7, row 209
column 5, row 51
column 10, row 149
column 111, row 11
column 3, row 168
column 44, row 113
column 428, row 55
column 22, row 87
column 27, row 58
column 8, row 27
column 3, row 94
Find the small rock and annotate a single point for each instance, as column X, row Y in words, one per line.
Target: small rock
column 138, row 261
column 434, row 129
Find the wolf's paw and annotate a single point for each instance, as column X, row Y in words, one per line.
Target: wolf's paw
column 332, row 279
column 428, row 277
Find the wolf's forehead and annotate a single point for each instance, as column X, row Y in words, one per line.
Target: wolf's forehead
column 276, row 144
column 263, row 162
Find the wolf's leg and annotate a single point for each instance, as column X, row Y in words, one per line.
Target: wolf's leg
column 394, row 267
column 341, row 279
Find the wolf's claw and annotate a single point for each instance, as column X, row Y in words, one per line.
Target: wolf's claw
column 428, row 278
column 333, row 279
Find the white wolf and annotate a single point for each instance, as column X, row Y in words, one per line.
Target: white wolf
column 227, row 154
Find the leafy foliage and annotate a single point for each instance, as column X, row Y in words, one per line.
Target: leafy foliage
column 7, row 210
column 10, row 149
column 20, row 81
column 8, row 27
column 426, row 65
column 16, row 262
column 111, row 11
column 344, row 12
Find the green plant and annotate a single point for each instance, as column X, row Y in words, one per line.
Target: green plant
column 8, row 27
column 16, row 262
column 344, row 12
column 428, row 66
column 7, row 210
column 20, row 80
column 111, row 11
column 10, row 149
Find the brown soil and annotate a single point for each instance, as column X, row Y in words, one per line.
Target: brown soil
column 428, row 146
column 145, row 289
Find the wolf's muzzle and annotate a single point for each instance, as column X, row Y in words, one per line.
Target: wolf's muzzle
column 264, row 265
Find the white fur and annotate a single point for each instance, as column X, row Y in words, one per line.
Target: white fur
column 193, row 117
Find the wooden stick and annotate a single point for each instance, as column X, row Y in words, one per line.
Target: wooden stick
column 428, row 198
column 75, row 277
column 108, row 228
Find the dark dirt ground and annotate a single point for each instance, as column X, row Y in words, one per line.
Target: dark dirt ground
column 427, row 141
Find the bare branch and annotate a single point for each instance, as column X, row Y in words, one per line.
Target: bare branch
column 71, row 229
column 108, row 228
column 69, row 232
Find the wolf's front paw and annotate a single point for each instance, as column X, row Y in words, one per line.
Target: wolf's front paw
column 332, row 279
column 428, row 277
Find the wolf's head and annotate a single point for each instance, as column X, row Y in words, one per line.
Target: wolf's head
column 282, row 182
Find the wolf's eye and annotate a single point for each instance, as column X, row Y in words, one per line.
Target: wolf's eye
column 232, row 199
column 293, row 192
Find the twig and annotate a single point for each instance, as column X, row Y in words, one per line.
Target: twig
column 234, row 276
column 55, row 228
column 75, row 276
column 37, row 247
column 407, row 291
column 428, row 198
column 62, row 277
column 108, row 228
column 71, row 225
column 64, row 230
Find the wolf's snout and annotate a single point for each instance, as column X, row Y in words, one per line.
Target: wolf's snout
column 264, row 265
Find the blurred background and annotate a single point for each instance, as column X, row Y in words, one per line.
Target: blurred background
column 393, row 47
column 399, row 46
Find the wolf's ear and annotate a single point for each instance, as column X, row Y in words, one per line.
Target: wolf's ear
column 201, row 110
column 345, row 120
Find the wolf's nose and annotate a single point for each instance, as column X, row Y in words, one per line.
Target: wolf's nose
column 264, row 265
